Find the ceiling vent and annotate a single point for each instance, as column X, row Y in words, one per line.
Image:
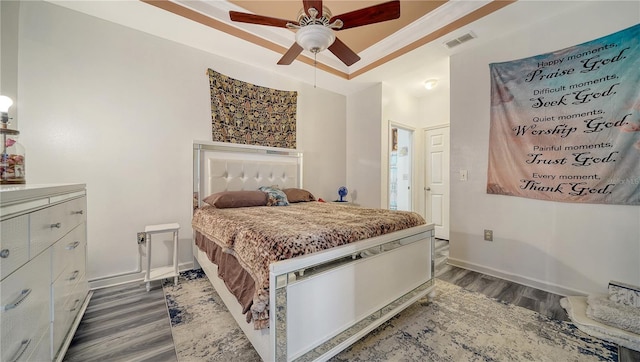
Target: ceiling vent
column 459, row 40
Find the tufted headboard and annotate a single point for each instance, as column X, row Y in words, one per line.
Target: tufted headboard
column 219, row 166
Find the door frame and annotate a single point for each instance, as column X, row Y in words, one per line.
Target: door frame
column 393, row 124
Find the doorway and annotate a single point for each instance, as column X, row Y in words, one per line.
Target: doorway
column 400, row 168
column 437, row 179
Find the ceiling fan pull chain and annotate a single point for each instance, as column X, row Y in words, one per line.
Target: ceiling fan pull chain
column 315, row 69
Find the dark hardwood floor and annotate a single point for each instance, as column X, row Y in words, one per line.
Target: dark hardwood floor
column 124, row 323
column 127, row 323
column 545, row 303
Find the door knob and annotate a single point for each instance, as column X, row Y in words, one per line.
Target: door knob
column 427, row 188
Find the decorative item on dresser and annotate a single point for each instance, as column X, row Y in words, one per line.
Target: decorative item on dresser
column 44, row 289
column 12, row 154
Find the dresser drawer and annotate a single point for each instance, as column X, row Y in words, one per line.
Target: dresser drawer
column 25, row 298
column 49, row 225
column 76, row 211
column 69, row 252
column 66, row 311
column 70, row 287
column 42, row 351
column 14, row 244
column 65, row 284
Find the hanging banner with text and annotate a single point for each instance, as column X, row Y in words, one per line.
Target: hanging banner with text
column 565, row 126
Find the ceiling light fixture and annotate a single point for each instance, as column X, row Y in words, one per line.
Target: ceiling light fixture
column 315, row 38
column 314, row 32
column 431, row 83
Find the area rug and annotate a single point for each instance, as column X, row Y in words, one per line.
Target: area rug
column 457, row 325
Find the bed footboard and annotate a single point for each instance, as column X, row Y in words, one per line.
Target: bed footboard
column 324, row 302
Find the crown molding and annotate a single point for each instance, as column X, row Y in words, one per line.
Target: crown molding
column 414, row 32
column 370, row 57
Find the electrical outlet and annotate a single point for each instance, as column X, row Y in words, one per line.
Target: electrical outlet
column 488, row 235
column 141, row 238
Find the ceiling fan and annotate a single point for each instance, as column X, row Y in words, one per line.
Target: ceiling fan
column 315, row 27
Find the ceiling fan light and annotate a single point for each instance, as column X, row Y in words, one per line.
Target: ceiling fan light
column 431, row 83
column 315, row 38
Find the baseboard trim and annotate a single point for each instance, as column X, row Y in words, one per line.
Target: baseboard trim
column 128, row 278
column 516, row 278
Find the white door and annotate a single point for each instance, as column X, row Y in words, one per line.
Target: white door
column 437, row 179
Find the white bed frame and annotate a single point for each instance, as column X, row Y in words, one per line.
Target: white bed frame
column 323, row 302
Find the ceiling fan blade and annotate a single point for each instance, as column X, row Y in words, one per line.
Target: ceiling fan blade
column 343, row 52
column 259, row 19
column 290, row 55
column 316, row 4
column 373, row 14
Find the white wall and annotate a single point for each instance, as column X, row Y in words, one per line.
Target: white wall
column 9, row 13
column 369, row 113
column 364, row 114
column 118, row 109
column 322, row 135
column 401, row 108
column 563, row 247
column 434, row 108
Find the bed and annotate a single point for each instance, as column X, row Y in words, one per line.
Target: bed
column 319, row 303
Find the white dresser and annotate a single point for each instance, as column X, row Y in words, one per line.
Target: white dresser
column 43, row 287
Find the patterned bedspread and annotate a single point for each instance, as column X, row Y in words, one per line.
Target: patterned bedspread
column 259, row 236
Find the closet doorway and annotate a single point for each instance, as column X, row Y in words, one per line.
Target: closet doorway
column 400, row 167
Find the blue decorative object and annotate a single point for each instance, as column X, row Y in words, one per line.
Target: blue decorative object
column 342, row 191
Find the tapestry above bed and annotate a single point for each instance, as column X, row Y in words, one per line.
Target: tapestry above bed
column 250, row 114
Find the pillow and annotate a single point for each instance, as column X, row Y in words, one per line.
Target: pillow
column 275, row 197
column 298, row 195
column 231, row 199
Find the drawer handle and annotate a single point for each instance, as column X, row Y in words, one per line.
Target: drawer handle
column 74, row 275
column 4, row 253
column 73, row 245
column 23, row 295
column 56, row 225
column 76, row 304
column 77, row 212
column 23, row 348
